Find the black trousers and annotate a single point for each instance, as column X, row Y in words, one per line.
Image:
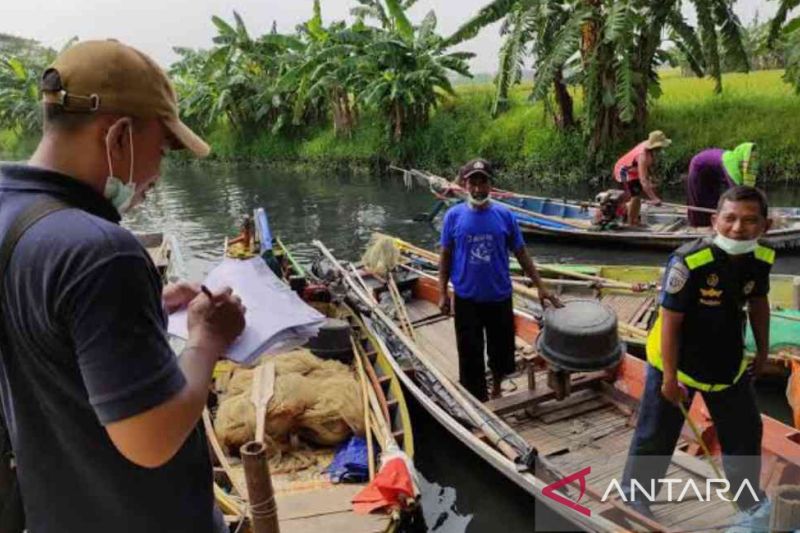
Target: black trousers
column 472, row 319
column 736, row 420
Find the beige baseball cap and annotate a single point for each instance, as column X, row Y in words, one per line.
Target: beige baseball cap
column 110, row 77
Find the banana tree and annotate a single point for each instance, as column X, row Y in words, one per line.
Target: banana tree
column 787, row 31
column 21, row 67
column 324, row 73
column 619, row 46
column 405, row 75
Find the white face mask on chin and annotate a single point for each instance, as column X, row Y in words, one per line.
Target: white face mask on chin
column 475, row 202
column 120, row 194
column 734, row 247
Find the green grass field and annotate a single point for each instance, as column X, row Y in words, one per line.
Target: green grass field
column 757, row 107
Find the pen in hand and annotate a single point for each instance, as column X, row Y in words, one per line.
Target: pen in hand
column 207, row 292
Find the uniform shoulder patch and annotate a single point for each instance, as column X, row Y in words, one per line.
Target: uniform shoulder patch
column 677, row 276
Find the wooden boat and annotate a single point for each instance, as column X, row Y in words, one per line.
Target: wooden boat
column 307, row 500
column 572, row 221
column 592, row 427
column 631, row 291
column 164, row 253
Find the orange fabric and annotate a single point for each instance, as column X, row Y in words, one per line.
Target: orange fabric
column 630, row 161
column 793, row 392
column 390, row 488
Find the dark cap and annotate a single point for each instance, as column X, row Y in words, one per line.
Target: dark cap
column 476, row 166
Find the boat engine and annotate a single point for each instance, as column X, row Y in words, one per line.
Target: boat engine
column 611, row 208
column 579, row 337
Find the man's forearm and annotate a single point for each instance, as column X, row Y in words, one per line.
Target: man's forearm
column 648, row 188
column 528, row 266
column 444, row 270
column 670, row 342
column 153, row 437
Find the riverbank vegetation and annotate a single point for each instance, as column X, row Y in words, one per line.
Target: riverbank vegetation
column 380, row 89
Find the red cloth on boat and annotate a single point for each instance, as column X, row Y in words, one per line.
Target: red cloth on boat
column 391, row 487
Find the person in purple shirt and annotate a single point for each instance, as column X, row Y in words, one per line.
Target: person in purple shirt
column 476, row 238
column 712, row 172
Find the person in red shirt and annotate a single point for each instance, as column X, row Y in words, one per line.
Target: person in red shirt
column 634, row 171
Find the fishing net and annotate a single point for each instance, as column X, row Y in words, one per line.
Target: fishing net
column 317, row 400
column 381, row 255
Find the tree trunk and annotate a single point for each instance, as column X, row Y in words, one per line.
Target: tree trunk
column 398, row 120
column 565, row 117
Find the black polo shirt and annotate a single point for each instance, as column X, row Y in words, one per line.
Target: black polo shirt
column 711, row 288
column 86, row 346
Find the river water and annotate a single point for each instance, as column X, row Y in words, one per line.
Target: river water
column 200, row 206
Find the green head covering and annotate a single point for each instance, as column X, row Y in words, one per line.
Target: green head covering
column 737, row 164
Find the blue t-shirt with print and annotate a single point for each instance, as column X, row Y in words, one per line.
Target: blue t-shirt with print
column 480, row 240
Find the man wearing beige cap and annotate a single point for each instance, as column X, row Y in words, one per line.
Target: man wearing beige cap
column 102, row 417
column 635, row 170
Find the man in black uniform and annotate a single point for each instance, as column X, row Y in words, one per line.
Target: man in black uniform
column 697, row 344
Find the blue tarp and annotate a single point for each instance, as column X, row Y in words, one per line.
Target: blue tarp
column 349, row 465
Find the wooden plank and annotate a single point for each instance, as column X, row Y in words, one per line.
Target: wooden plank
column 526, row 398
column 578, row 409
column 372, row 523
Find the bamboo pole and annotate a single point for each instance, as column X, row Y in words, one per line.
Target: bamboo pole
column 399, row 304
column 383, row 431
column 704, row 447
column 367, row 423
column 480, row 420
column 211, row 435
column 260, row 493
column 434, row 258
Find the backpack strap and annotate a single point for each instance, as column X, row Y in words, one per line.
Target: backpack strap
column 12, row 513
column 27, row 218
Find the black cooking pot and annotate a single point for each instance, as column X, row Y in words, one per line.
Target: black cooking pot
column 333, row 341
column 580, row 337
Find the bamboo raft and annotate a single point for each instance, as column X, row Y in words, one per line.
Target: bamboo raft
column 531, row 436
column 307, row 501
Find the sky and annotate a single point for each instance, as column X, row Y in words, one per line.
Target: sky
column 155, row 26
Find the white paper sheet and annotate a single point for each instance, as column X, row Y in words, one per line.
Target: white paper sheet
column 276, row 318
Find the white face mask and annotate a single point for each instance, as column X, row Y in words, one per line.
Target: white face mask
column 734, row 247
column 475, row 202
column 120, row 194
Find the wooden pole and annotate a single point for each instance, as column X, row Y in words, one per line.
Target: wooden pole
column 260, row 493
column 796, row 292
column 785, row 513
column 367, row 423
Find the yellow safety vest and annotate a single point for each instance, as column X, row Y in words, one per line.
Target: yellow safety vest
column 694, row 261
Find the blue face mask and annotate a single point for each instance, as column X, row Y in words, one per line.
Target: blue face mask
column 118, row 193
column 734, row 247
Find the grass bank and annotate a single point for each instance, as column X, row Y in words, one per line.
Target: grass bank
column 755, row 107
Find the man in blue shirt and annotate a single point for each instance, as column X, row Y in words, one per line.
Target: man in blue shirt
column 477, row 236
column 103, row 418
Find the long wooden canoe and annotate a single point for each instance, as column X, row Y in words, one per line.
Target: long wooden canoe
column 636, row 309
column 571, row 221
column 592, row 427
column 307, row 500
